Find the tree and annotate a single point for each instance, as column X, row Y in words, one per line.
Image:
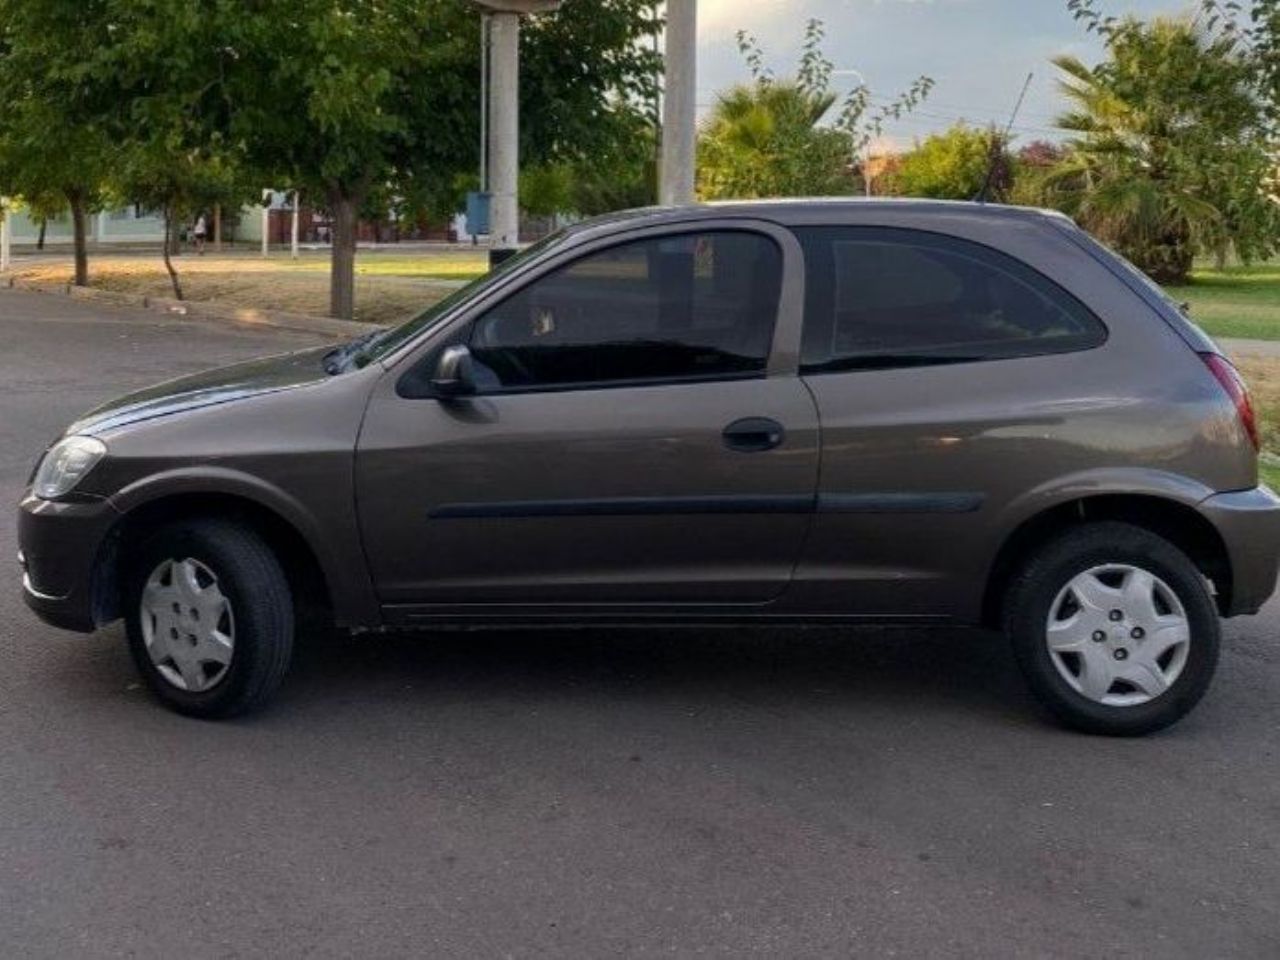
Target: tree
column 52, row 144
column 181, row 182
column 151, row 84
column 546, row 189
column 1039, row 154
column 43, row 207
column 769, row 137
column 954, row 166
column 1032, row 163
column 1170, row 145
column 344, row 99
column 341, row 96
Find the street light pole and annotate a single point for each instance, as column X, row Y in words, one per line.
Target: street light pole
column 679, row 104
column 484, row 103
column 504, row 113
column 504, row 118
column 293, row 229
column 266, row 223
column 6, row 234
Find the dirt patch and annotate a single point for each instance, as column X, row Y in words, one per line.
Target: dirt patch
column 295, row 287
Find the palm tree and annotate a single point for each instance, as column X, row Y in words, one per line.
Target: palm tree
column 764, row 139
column 1134, row 170
column 772, row 138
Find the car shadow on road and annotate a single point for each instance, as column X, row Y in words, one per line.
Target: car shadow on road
column 964, row 671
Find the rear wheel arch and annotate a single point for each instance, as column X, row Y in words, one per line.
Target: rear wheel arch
column 1179, row 524
column 307, row 578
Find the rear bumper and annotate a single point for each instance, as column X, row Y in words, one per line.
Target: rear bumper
column 59, row 545
column 1249, row 523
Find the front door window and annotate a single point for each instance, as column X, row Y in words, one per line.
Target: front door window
column 680, row 308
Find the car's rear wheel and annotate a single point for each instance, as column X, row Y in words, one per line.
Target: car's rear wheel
column 1114, row 629
column 210, row 618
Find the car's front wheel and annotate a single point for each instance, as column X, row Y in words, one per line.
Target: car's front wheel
column 1114, row 628
column 209, row 615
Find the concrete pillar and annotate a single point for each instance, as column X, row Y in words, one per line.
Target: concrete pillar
column 293, row 229
column 6, row 235
column 266, row 223
column 100, row 228
column 504, row 131
column 679, row 104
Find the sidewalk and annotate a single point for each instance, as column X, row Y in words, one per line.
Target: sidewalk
column 1250, row 348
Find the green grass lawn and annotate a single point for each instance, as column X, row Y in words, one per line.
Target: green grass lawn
column 452, row 266
column 1237, row 302
column 1270, row 470
column 436, row 265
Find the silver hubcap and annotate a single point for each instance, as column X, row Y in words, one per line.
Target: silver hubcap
column 187, row 625
column 1118, row 635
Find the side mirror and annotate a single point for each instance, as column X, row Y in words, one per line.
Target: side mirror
column 454, row 376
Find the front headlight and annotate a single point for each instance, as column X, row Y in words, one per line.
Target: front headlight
column 65, row 465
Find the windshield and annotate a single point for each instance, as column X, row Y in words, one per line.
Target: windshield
column 372, row 347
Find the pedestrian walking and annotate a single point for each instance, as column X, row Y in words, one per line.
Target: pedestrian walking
column 200, row 230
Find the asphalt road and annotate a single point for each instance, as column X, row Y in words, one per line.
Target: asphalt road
column 597, row 793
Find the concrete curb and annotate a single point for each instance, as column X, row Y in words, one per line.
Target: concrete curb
column 202, row 310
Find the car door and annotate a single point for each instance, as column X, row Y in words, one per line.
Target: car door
column 951, row 379
column 639, row 435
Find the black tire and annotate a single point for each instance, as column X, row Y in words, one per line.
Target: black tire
column 1033, row 591
column 250, row 577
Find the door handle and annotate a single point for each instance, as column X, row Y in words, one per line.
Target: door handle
column 754, row 434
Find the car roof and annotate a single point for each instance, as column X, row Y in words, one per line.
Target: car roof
column 796, row 211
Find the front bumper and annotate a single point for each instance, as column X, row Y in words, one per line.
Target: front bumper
column 59, row 548
column 1249, row 524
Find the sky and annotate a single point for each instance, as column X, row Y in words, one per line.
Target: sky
column 978, row 52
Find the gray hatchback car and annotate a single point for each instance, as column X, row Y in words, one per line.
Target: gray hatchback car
column 805, row 411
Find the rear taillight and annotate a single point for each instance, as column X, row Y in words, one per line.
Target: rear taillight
column 1227, row 375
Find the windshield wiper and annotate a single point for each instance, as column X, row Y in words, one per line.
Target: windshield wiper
column 339, row 359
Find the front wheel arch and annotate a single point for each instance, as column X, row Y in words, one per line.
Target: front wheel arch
column 307, row 578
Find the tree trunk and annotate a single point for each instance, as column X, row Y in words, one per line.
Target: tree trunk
column 168, row 262
column 342, row 277
column 75, row 199
column 217, row 227
column 44, row 226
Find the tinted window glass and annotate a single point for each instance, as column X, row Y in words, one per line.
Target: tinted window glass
column 681, row 307
column 392, row 338
column 886, row 298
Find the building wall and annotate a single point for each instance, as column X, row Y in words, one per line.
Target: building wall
column 128, row 225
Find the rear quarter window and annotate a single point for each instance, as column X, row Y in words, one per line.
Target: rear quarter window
column 879, row 298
